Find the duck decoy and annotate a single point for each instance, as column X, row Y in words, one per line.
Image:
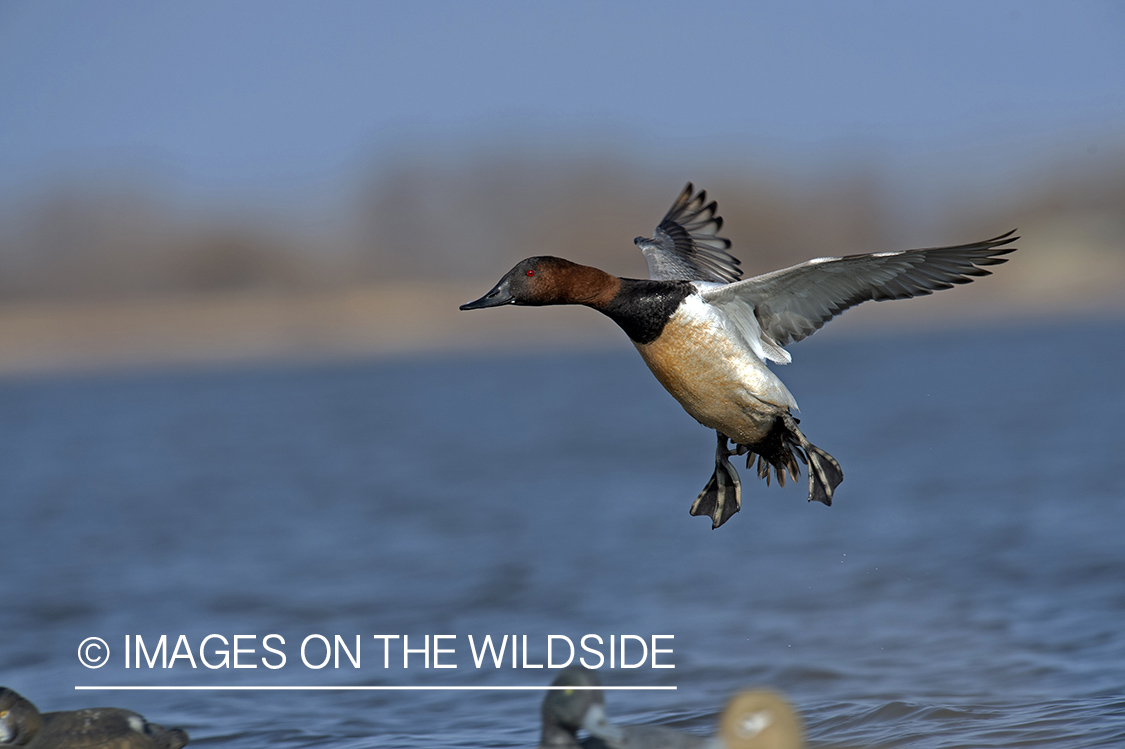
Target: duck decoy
column 760, row 719
column 753, row 719
column 22, row 725
column 566, row 711
column 707, row 334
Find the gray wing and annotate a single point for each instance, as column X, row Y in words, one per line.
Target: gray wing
column 793, row 303
column 686, row 246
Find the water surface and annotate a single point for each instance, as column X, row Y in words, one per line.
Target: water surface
column 964, row 591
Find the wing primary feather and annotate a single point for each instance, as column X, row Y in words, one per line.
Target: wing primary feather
column 686, row 244
column 793, row 303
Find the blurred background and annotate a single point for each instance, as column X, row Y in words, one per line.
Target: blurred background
column 237, row 395
column 215, row 180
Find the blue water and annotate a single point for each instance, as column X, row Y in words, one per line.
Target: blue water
column 966, row 590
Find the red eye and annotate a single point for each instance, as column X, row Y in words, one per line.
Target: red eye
column 530, row 273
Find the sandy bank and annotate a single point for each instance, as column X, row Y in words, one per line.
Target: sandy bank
column 404, row 319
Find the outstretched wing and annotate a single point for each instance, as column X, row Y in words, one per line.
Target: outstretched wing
column 793, row 303
column 686, row 246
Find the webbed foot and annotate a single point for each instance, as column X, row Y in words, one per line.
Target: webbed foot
column 722, row 497
column 825, row 473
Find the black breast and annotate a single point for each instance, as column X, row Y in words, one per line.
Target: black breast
column 642, row 308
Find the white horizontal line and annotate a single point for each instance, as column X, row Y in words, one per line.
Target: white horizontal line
column 356, row 688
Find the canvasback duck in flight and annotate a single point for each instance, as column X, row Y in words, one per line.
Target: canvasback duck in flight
column 707, row 334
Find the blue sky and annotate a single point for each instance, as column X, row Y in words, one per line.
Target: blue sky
column 260, row 99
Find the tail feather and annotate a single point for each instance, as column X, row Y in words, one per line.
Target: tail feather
column 764, row 470
column 779, row 450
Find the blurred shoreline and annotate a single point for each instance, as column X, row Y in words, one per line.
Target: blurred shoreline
column 401, row 319
column 105, row 275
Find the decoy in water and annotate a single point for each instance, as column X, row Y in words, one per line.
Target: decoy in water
column 707, row 334
column 754, row 719
column 22, row 725
column 566, row 711
column 760, row 719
